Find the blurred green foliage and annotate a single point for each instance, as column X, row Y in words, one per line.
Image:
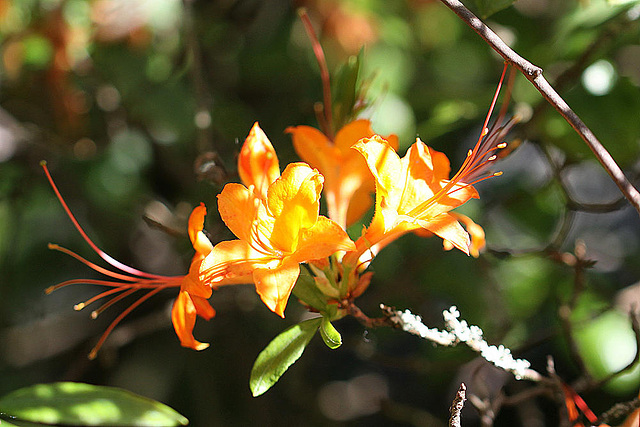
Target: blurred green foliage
column 129, row 100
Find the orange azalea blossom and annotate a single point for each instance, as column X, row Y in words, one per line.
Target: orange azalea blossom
column 348, row 182
column 275, row 234
column 125, row 281
column 415, row 192
column 412, row 193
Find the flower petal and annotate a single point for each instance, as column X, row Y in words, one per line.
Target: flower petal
column 238, row 206
column 384, row 163
column 230, row 262
column 258, row 162
column 447, row 227
column 354, row 131
column 293, row 203
column 183, row 317
column 323, row 239
column 200, row 242
column 274, row 285
column 314, row 148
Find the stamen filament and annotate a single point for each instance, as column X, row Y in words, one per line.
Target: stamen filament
column 111, row 261
column 95, row 313
column 125, row 313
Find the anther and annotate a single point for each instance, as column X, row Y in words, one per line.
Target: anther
column 79, row 307
column 501, row 145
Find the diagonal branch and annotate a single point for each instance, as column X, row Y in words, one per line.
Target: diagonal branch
column 534, row 74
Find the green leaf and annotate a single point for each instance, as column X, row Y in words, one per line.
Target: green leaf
column 71, row 403
column 281, row 353
column 486, row 8
column 346, row 91
column 330, row 335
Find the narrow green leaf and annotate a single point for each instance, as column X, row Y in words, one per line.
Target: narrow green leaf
column 71, row 403
column 330, row 335
column 281, row 353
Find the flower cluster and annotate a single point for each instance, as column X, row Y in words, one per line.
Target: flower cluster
column 276, row 218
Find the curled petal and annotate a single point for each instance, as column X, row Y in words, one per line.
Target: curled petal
column 200, row 242
column 448, row 228
column 475, row 231
column 183, row 315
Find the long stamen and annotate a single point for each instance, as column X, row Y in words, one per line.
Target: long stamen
column 95, row 298
column 103, row 307
column 115, row 263
column 480, row 155
column 96, row 348
column 93, row 266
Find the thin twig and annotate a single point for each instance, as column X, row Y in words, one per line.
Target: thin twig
column 324, row 73
column 534, row 74
column 457, row 405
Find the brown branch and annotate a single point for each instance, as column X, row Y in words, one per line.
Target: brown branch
column 367, row 321
column 534, row 74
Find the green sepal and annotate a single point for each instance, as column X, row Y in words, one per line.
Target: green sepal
column 282, row 352
column 330, row 335
column 70, row 403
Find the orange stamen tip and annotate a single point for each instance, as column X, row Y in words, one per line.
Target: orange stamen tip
column 502, row 145
column 497, row 173
column 469, row 153
column 93, row 354
column 79, row 307
column 49, row 290
column 52, row 246
column 43, row 163
column 485, row 131
column 94, row 314
column 492, row 158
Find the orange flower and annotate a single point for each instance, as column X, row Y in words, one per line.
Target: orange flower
column 191, row 302
column 412, row 193
column 275, row 235
column 348, row 182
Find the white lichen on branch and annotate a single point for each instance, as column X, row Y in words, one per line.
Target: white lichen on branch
column 459, row 331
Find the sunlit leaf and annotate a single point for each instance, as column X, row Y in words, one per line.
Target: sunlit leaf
column 71, row 403
column 281, row 353
column 330, row 335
